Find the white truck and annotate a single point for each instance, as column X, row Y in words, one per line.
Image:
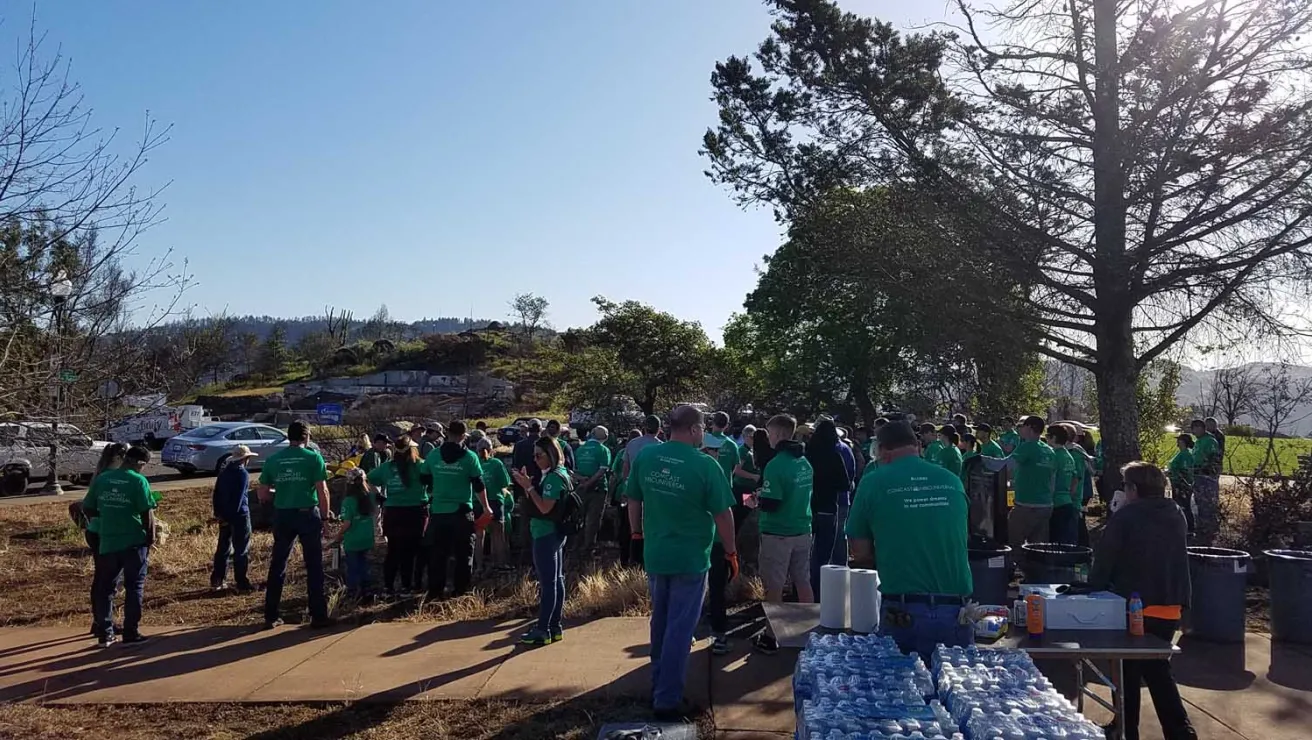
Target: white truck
column 25, row 454
column 155, row 425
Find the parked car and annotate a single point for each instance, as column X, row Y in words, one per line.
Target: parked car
column 25, row 454
column 621, row 414
column 207, row 449
column 513, row 432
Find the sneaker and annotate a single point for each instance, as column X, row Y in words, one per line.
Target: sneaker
column 136, row 639
column 683, row 711
column 558, row 636
column 534, row 638
column 765, row 643
column 106, row 640
column 245, row 588
column 270, row 624
column 323, row 624
column 719, row 645
column 218, row 588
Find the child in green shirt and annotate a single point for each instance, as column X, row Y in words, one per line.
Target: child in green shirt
column 357, row 537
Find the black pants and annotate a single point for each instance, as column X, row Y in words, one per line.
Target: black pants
column 403, row 526
column 719, row 579
column 1156, row 674
column 624, row 535
column 1184, row 496
column 450, row 536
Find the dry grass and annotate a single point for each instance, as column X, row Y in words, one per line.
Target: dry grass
column 466, row 720
column 45, row 577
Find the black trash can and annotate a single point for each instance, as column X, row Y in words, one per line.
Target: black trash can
column 1219, row 577
column 1291, row 595
column 990, row 569
column 1050, row 562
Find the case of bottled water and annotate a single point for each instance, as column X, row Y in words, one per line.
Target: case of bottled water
column 860, row 687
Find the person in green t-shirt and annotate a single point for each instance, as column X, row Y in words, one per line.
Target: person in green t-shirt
column 456, row 479
column 729, row 455
column 929, row 439
column 949, row 455
column 405, row 514
column 1008, row 438
column 357, row 537
column 1033, row 468
column 1180, row 471
column 111, row 458
column 1083, row 483
column 1207, row 480
column 1063, row 527
column 679, row 501
column 784, row 501
column 591, row 463
column 910, row 517
column 969, row 446
column 377, row 454
column 122, row 501
column 295, row 479
column 541, row 500
column 987, row 446
column 496, row 481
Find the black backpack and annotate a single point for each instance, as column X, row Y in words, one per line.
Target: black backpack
column 568, row 512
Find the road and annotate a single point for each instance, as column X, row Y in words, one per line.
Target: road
column 159, row 481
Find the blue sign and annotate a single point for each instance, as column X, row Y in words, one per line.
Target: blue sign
column 330, row 414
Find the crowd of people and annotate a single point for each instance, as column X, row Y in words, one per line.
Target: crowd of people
column 688, row 493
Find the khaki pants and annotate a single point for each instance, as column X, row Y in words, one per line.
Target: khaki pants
column 783, row 558
column 1027, row 524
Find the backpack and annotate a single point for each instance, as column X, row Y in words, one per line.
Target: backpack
column 568, row 512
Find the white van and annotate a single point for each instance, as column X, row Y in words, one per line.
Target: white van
column 153, row 426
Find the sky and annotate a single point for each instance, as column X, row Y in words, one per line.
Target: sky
column 436, row 157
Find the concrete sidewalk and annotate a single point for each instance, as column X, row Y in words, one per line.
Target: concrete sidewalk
column 378, row 662
column 1252, row 691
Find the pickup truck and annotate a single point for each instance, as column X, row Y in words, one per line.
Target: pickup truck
column 25, row 454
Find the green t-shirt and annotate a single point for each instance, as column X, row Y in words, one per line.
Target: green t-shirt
column 294, row 474
column 387, row 477
column 507, row 506
column 360, row 535
column 1035, row 466
column 1010, row 441
column 1064, row 464
column 729, row 456
column 965, row 456
column 742, row 486
column 120, row 498
column 1207, row 455
column 992, row 449
column 789, row 480
column 554, row 486
column 1181, row 469
column 496, row 479
column 590, row 458
column 916, row 514
column 453, row 485
column 1082, row 460
column 682, row 489
column 932, row 450
column 950, row 458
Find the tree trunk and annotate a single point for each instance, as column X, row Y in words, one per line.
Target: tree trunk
column 1118, row 409
column 861, row 397
column 648, row 401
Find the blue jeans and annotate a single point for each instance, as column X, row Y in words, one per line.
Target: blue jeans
column 676, row 605
column 290, row 525
column 131, row 565
column 234, row 540
column 839, row 554
column 549, row 562
column 824, row 531
column 357, row 572
column 1064, row 526
column 929, row 625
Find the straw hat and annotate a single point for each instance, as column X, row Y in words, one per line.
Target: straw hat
column 242, row 452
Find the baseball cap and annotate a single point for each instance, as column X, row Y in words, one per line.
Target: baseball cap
column 896, row 434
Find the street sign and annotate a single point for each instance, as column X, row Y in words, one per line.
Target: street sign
column 67, row 376
column 330, row 414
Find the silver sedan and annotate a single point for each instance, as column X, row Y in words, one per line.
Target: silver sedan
column 208, row 448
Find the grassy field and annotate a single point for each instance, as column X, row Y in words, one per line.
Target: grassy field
column 1245, row 455
column 45, row 574
column 576, row 719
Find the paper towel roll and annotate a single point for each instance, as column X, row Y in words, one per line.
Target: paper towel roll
column 865, row 600
column 833, row 596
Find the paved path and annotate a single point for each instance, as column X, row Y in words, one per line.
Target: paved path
column 165, row 482
column 1253, row 691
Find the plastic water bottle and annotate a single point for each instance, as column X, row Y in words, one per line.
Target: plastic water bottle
column 1136, row 615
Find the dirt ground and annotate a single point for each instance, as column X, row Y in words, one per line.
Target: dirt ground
column 462, row 720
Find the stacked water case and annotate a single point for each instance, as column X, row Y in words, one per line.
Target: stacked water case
column 863, row 688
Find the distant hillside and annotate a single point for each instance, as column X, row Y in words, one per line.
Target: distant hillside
column 299, row 327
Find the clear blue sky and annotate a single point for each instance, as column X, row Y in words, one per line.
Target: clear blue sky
column 438, row 157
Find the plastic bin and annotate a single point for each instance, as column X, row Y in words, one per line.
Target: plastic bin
column 1050, row 562
column 1219, row 577
column 1291, row 595
column 990, row 569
